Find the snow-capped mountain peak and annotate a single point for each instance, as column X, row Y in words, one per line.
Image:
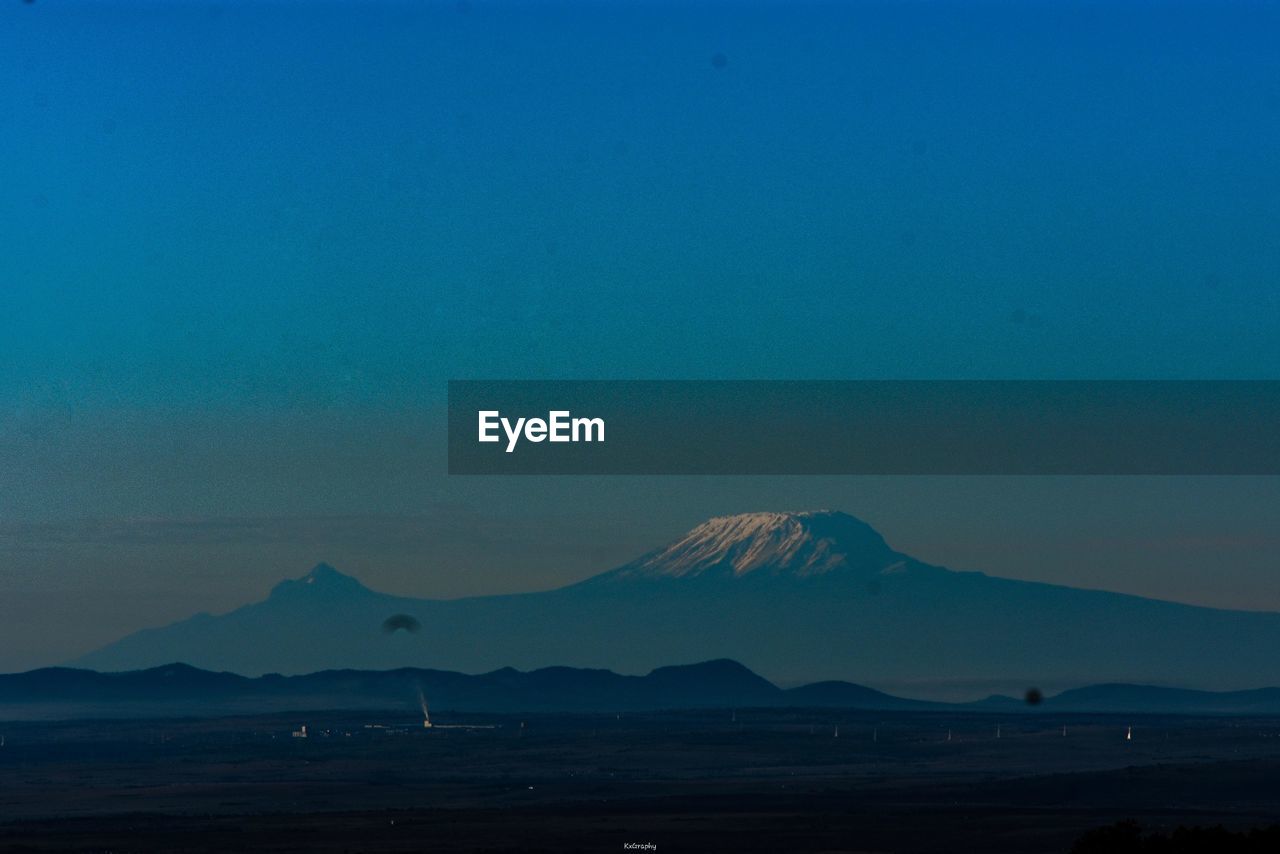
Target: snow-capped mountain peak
column 800, row 544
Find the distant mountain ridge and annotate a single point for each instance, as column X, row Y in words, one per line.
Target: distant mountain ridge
column 707, row 684
column 799, row 597
column 182, row 689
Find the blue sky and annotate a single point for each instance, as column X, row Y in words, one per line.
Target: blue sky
column 246, row 245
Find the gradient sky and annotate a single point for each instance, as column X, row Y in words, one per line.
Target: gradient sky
column 245, row 245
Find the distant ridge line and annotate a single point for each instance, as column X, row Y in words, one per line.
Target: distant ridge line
column 720, row 683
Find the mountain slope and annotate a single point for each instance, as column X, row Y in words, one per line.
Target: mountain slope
column 797, row 597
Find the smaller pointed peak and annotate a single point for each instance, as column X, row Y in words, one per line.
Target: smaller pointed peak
column 322, row 578
column 322, row 572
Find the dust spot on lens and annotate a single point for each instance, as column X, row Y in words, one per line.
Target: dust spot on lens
column 1034, row 697
column 398, row 622
column 719, row 61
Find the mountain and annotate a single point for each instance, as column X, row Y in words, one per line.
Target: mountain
column 181, row 689
column 798, row 545
column 797, row 597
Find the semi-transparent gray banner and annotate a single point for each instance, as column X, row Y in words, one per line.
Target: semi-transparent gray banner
column 864, row 427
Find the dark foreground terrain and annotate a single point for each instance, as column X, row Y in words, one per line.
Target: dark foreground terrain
column 751, row 780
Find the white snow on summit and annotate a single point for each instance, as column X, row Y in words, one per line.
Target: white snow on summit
column 800, row 544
